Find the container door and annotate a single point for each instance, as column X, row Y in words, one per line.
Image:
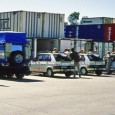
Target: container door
column 108, row 46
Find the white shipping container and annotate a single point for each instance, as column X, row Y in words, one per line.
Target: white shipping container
column 34, row 24
column 47, row 44
column 86, row 21
column 97, row 20
column 79, row 44
column 113, row 20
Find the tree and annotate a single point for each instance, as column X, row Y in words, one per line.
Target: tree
column 66, row 23
column 73, row 18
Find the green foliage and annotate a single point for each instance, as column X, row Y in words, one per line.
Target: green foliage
column 73, row 18
column 66, row 23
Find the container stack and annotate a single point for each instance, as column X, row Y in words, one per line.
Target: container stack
column 96, row 32
column 38, row 26
column 34, row 24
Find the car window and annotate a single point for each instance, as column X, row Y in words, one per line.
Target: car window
column 16, row 47
column 82, row 58
column 40, row 57
column 44, row 57
column 94, row 58
column 113, row 58
column 61, row 57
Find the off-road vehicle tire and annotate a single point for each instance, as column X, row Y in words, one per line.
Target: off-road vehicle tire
column 16, row 58
column 19, row 76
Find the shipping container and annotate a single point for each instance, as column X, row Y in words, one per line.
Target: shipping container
column 70, row 31
column 78, row 44
column 109, row 32
column 94, row 32
column 34, row 24
column 97, row 20
column 101, row 48
column 47, row 44
column 43, row 45
column 113, row 20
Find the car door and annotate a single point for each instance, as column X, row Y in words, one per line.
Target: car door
column 44, row 62
column 84, row 62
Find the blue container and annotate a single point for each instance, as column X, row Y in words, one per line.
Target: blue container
column 70, row 31
column 94, row 32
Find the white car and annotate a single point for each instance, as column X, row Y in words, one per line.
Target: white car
column 51, row 63
column 91, row 63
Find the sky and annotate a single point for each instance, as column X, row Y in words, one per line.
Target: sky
column 90, row 8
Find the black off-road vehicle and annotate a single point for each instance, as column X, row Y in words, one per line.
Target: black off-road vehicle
column 14, row 54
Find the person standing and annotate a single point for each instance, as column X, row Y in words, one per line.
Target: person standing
column 76, row 58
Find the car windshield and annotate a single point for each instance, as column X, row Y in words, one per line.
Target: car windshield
column 61, row 57
column 94, row 58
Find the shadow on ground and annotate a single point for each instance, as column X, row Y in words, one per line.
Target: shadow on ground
column 61, row 76
column 103, row 75
column 4, row 86
column 20, row 80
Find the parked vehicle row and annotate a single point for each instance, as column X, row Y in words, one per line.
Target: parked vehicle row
column 51, row 63
column 15, row 59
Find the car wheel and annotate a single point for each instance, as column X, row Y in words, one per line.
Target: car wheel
column 19, row 76
column 83, row 71
column 109, row 72
column 68, row 74
column 44, row 74
column 10, row 75
column 98, row 72
column 50, row 73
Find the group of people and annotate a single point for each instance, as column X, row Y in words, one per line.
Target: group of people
column 73, row 55
column 107, row 55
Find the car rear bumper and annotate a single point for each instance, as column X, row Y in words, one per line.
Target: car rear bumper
column 15, row 69
column 62, row 70
column 93, row 69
